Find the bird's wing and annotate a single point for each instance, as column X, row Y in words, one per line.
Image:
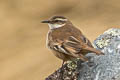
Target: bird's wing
column 67, row 46
column 71, row 47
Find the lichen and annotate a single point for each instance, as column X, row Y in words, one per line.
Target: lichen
column 72, row 65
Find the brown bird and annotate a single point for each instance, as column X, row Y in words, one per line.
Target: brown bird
column 66, row 41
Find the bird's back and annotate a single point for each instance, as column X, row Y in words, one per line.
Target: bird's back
column 64, row 33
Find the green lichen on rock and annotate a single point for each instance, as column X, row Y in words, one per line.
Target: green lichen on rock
column 72, row 64
column 69, row 71
column 102, row 42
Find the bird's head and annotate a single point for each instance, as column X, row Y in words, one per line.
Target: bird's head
column 56, row 22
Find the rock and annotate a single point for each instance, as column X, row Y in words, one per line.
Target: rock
column 103, row 67
column 107, row 37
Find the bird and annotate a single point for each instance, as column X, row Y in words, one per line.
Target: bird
column 66, row 41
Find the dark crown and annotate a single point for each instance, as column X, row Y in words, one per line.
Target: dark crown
column 55, row 17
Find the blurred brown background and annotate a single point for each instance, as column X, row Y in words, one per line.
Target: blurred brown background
column 23, row 53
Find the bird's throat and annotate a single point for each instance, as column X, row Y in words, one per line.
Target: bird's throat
column 54, row 26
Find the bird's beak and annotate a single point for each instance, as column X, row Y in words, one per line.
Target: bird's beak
column 46, row 21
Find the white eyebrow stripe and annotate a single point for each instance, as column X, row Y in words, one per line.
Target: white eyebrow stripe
column 61, row 19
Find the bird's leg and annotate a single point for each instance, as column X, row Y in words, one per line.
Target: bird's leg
column 63, row 63
column 62, row 70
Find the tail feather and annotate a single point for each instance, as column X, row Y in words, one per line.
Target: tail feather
column 98, row 52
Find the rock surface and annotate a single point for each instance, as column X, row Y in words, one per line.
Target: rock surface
column 103, row 67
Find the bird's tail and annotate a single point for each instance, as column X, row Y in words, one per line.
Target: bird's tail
column 98, row 52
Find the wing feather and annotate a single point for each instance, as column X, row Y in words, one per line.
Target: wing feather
column 71, row 46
